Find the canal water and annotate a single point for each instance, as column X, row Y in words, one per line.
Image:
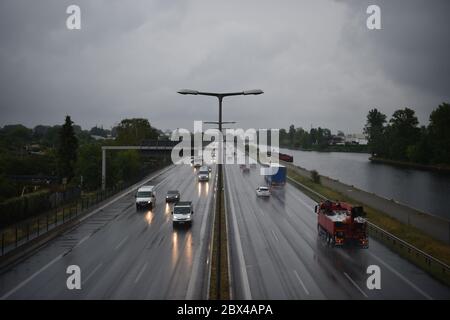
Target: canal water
column 423, row 190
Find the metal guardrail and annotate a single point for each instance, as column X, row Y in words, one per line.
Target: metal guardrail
column 19, row 234
column 432, row 264
column 411, row 250
column 302, row 186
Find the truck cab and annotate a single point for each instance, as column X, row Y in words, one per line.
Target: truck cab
column 145, row 197
column 182, row 213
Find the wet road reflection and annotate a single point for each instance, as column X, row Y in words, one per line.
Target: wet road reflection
column 182, row 245
column 149, row 217
column 174, row 248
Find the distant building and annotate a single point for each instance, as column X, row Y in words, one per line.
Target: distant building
column 336, row 140
column 35, row 149
column 95, row 137
column 356, row 138
column 98, row 138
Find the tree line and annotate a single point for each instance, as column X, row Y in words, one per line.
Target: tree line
column 300, row 138
column 401, row 138
column 70, row 154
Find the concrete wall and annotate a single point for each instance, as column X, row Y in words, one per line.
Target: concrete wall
column 434, row 226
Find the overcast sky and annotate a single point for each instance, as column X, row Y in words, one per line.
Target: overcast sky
column 316, row 61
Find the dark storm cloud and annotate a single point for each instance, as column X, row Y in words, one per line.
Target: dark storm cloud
column 316, row 61
column 411, row 49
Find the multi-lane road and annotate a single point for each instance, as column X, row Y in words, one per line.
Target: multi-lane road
column 274, row 251
column 124, row 253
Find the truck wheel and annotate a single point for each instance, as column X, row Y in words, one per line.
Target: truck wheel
column 330, row 240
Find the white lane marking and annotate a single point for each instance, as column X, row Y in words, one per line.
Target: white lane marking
column 297, row 197
column 401, row 276
column 301, row 282
column 356, row 285
column 164, row 180
column 121, row 243
column 23, row 283
column 141, row 272
column 275, row 235
column 92, row 273
column 82, row 240
column 388, row 266
column 237, row 239
column 124, row 193
column 195, row 268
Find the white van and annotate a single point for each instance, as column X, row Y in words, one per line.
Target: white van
column 203, row 174
column 145, row 197
column 182, row 213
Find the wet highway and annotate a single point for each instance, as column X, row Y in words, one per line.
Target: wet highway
column 275, row 252
column 124, row 253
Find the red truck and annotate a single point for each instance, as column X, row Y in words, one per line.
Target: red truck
column 341, row 223
column 286, row 157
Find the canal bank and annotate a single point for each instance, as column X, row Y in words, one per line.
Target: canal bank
column 431, row 255
column 403, row 164
column 434, row 226
column 426, row 191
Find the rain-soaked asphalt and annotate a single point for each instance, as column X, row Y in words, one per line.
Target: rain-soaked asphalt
column 284, row 258
column 274, row 251
column 124, row 253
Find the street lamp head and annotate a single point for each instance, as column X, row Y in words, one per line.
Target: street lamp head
column 188, row 91
column 216, row 122
column 255, row 91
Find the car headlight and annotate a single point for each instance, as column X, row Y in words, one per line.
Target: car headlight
column 149, row 201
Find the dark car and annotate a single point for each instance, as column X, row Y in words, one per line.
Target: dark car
column 173, row 196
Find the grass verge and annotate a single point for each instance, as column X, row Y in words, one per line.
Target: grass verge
column 413, row 236
column 224, row 292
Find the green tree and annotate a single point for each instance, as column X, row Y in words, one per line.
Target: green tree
column 374, row 130
column 15, row 137
column 40, row 131
column 403, row 133
column 421, row 151
column 305, row 140
column 50, row 137
column 127, row 164
column 291, row 134
column 134, row 131
column 320, row 137
column 7, row 190
column 67, row 150
column 284, row 140
column 96, row 131
column 88, row 166
column 439, row 130
column 299, row 132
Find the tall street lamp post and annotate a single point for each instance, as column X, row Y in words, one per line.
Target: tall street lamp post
column 218, row 218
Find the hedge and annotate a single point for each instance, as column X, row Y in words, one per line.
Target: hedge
column 20, row 208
